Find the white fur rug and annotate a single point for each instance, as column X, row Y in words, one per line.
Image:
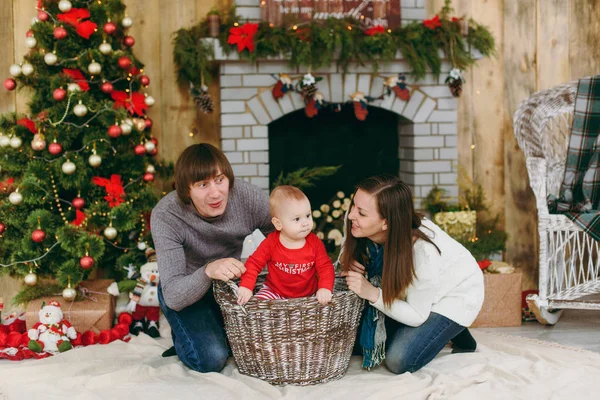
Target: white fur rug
column 504, row 367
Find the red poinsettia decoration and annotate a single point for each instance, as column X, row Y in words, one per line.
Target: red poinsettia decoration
column 27, row 123
column 7, row 184
column 76, row 17
column 79, row 218
column 115, row 192
column 375, row 30
column 77, row 77
column 483, row 264
column 243, row 36
column 135, row 103
column 433, row 22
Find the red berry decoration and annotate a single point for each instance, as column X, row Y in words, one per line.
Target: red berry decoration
column 144, row 80
column 124, row 62
column 10, row 84
column 29, row 33
column 59, row 94
column 106, row 87
column 86, row 262
column 2, row 228
column 110, row 28
column 148, row 177
column 114, row 131
column 129, row 41
column 42, row 15
column 38, row 236
column 55, row 148
column 60, row 33
column 148, row 123
column 78, row 203
column 139, row 150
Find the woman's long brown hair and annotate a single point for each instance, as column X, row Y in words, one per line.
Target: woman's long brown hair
column 394, row 204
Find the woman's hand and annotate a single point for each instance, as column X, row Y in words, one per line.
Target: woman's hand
column 357, row 267
column 225, row 269
column 361, row 286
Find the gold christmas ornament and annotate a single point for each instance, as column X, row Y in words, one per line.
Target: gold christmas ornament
column 110, row 233
column 69, row 293
column 38, row 143
column 95, row 160
column 27, row 69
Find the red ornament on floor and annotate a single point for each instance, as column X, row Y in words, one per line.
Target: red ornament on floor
column 60, row 33
column 10, row 84
column 110, row 28
column 86, row 262
column 59, row 94
column 38, row 236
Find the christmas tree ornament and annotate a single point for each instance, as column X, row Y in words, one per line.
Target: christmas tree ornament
column 73, row 87
column 455, row 82
column 15, row 70
column 94, row 159
column 55, row 148
column 283, row 85
column 29, row 33
column 15, row 142
column 2, row 229
column 148, row 177
column 114, row 131
column 360, row 105
column 15, row 197
column 109, row 232
column 110, row 28
column 149, row 146
column 125, row 128
column 203, row 100
column 128, row 41
column 148, row 123
column 38, row 235
column 141, row 246
column 38, row 143
column 10, row 84
column 139, row 124
column 4, row 141
column 42, row 15
column 86, row 261
column 150, row 169
column 30, row 42
column 59, row 33
column 80, row 109
column 308, row 87
column 27, row 69
column 59, row 94
column 69, row 293
column 144, row 80
column 31, row 278
column 64, row 5
column 124, row 62
column 50, row 58
column 94, row 68
column 106, row 87
column 397, row 84
column 68, row 167
column 149, row 100
column 78, row 202
column 139, row 150
column 127, row 22
column 105, row 48
column 314, row 105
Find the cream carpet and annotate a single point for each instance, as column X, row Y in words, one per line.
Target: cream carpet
column 504, row 367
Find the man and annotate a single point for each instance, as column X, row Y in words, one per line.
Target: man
column 198, row 232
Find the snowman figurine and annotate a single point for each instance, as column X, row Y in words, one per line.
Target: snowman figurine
column 144, row 299
column 52, row 333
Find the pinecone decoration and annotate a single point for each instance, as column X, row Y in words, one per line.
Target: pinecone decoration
column 203, row 100
column 308, row 92
column 456, row 87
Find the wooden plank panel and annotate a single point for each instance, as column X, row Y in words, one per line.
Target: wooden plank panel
column 7, row 99
column 520, row 71
column 552, row 43
column 584, row 37
column 23, row 12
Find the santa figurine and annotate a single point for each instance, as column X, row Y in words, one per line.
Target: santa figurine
column 144, row 299
column 52, row 333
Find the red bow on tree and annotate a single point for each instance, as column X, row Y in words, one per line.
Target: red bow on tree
column 243, row 36
column 375, row 30
column 433, row 22
column 79, row 218
column 75, row 17
column 27, row 123
column 77, row 77
column 134, row 103
column 114, row 189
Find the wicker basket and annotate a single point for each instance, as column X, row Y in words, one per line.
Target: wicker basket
column 293, row 341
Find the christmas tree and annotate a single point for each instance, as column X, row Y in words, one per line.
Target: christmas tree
column 76, row 173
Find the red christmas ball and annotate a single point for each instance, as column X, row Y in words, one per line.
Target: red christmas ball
column 124, row 62
column 78, row 203
column 2, row 228
column 128, row 41
column 139, row 150
column 10, row 84
column 38, row 236
column 154, row 140
column 60, row 33
column 59, row 94
column 42, row 15
column 86, row 262
column 110, row 28
column 148, row 177
column 114, row 131
column 144, row 80
column 55, row 148
column 148, row 123
column 106, row 87
column 29, row 33
column 153, row 152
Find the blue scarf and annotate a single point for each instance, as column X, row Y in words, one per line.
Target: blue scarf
column 372, row 333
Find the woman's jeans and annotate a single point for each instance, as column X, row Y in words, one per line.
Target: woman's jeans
column 409, row 348
column 198, row 333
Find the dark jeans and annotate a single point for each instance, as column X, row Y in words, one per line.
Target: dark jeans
column 198, row 333
column 408, row 349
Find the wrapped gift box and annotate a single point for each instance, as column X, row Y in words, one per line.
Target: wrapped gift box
column 502, row 304
column 95, row 313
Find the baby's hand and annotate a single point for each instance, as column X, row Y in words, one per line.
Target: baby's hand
column 243, row 295
column 324, row 296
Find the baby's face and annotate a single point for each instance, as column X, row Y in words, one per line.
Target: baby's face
column 295, row 217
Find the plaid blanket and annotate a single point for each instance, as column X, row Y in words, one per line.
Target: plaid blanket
column 580, row 191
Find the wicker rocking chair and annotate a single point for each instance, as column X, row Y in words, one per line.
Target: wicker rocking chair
column 569, row 262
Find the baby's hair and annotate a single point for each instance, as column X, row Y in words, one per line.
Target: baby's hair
column 284, row 192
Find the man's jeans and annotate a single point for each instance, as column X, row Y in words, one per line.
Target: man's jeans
column 198, row 333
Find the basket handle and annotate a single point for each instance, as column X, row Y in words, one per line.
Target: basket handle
column 234, row 288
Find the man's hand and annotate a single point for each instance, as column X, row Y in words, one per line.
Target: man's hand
column 225, row 269
column 361, row 286
column 324, row 296
column 243, row 295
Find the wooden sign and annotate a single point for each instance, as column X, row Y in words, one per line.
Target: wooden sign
column 371, row 12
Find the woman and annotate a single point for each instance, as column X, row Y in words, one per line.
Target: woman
column 423, row 287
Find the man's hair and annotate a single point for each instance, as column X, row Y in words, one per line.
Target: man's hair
column 281, row 193
column 199, row 162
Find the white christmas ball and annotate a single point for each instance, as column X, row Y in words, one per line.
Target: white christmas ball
column 15, row 142
column 105, row 48
column 50, row 58
column 150, row 169
column 34, row 20
column 73, row 87
column 95, row 160
column 30, row 279
column 64, row 5
column 15, row 70
column 38, row 143
column 141, row 246
column 125, row 128
column 4, row 141
column 69, row 294
column 15, row 198
column 110, row 233
column 30, row 42
column 27, row 69
column 80, row 110
column 68, row 167
column 127, row 22
column 149, row 100
column 149, row 146
column 94, row 68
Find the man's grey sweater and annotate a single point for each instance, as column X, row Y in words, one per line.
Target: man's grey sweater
column 185, row 242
